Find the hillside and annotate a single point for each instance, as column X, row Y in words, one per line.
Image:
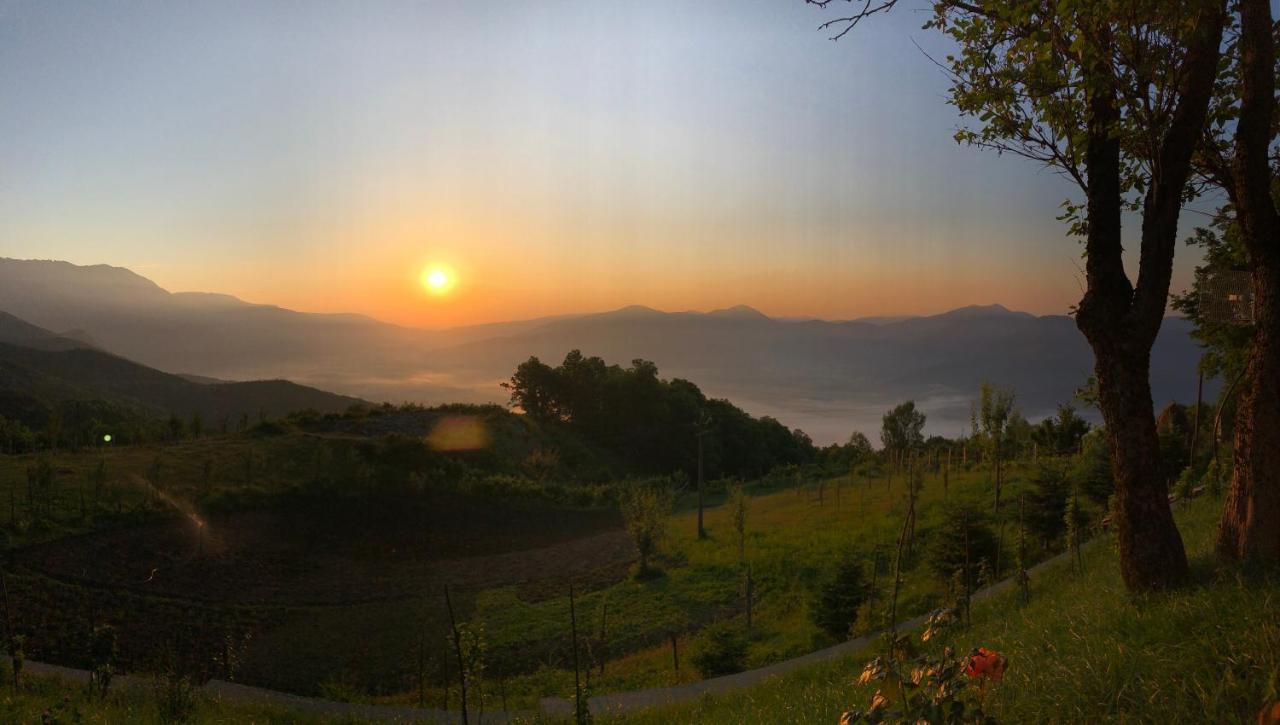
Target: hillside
column 41, row 371
column 1082, row 650
column 826, row 377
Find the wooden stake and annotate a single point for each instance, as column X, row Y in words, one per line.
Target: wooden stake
column 577, row 686
column 457, row 648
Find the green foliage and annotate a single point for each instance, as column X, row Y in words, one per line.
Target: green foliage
column 1187, row 481
column 649, row 422
column 963, row 538
column 719, row 649
column 834, row 605
column 919, row 688
column 1092, row 473
column 1046, row 503
column 993, row 414
column 901, row 428
column 1061, row 434
column 1226, row 344
column 645, row 509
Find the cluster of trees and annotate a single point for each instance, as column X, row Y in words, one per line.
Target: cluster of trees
column 650, row 424
column 1142, row 106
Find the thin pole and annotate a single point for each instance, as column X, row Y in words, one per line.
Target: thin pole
column 577, row 686
column 457, row 648
column 1195, row 428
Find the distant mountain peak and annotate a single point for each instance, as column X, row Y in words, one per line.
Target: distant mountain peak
column 633, row 311
column 992, row 310
column 739, row 312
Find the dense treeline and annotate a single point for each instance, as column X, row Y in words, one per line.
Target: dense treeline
column 650, row 423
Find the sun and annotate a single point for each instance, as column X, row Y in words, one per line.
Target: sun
column 437, row 279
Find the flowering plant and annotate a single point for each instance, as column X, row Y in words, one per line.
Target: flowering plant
column 916, row 688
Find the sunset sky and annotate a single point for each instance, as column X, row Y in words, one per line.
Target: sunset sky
column 555, row 156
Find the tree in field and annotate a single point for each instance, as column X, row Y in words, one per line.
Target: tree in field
column 834, row 607
column 176, row 428
column 961, row 544
column 900, row 431
column 645, row 509
column 1061, row 434
column 994, row 413
column 1113, row 95
column 1092, row 472
column 859, row 444
column 1046, row 504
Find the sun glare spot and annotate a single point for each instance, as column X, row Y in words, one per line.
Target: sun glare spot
column 437, row 280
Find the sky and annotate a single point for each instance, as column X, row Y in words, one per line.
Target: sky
column 553, row 156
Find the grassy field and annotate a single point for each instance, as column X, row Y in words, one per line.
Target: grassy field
column 1082, row 650
column 335, row 599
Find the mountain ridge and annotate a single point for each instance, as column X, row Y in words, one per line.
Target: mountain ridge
column 825, row 376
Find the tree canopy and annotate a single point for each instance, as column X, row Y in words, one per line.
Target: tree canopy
column 651, row 424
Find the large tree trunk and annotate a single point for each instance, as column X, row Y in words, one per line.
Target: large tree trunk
column 1121, row 319
column 1151, row 551
column 1250, row 526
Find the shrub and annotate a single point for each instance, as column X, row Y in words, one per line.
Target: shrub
column 1047, row 503
column 645, row 509
column 1185, row 486
column 834, row 607
column 1092, row 472
column 719, row 649
column 947, row 551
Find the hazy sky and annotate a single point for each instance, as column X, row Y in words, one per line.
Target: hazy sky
column 559, row 156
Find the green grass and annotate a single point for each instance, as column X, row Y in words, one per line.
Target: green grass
column 1083, row 650
column 53, row 700
column 793, row 536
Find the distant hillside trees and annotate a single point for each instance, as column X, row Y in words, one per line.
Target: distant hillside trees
column 651, row 424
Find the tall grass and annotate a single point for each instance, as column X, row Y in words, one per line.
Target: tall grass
column 1083, row 650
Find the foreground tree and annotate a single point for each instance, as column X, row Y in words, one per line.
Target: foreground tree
column 1113, row 95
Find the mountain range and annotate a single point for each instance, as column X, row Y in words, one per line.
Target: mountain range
column 826, row 377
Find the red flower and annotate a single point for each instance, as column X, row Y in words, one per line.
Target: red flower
column 985, row 663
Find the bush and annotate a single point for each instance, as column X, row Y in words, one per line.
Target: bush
column 947, row 549
column 1092, row 472
column 719, row 649
column 834, row 607
column 1185, row 486
column 645, row 509
column 1047, row 503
